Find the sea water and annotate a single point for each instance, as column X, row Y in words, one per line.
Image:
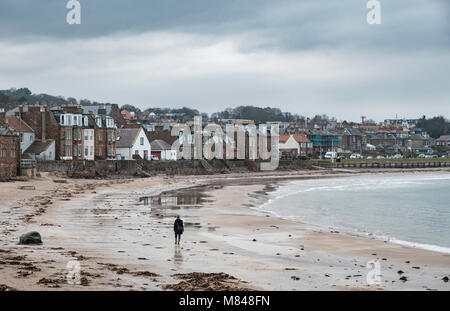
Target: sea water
column 409, row 209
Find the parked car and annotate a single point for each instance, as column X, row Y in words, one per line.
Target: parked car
column 380, row 157
column 355, row 156
column 330, row 155
column 154, row 158
column 421, row 156
column 369, row 157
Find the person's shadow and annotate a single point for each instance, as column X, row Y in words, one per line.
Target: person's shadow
column 178, row 256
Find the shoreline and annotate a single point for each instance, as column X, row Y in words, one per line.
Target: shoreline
column 343, row 230
column 219, row 238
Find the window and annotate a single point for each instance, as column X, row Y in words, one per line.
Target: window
column 136, row 152
column 68, row 134
column 86, row 151
column 77, row 134
column 68, row 150
column 142, row 141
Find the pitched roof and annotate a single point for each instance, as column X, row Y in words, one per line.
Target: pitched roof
column 298, row 138
column 301, row 139
column 127, row 137
column 444, row 138
column 418, row 137
column 160, row 145
column 283, row 138
column 19, row 125
column 39, row 146
column 166, row 136
column 128, row 115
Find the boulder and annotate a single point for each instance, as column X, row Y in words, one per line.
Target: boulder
column 30, row 238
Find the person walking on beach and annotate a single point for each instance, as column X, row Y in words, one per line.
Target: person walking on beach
column 178, row 227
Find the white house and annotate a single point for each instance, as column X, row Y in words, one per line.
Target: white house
column 132, row 142
column 42, row 150
column 288, row 144
column 88, row 144
column 163, row 150
column 295, row 144
column 26, row 133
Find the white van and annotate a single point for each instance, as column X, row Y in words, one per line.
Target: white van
column 330, row 155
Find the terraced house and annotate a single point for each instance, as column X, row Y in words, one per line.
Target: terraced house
column 353, row 140
column 78, row 136
column 9, row 152
column 105, row 137
column 443, row 142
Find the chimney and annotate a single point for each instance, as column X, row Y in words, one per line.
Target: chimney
column 44, row 128
column 2, row 116
column 102, row 110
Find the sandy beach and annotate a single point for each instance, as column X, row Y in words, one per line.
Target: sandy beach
column 122, row 243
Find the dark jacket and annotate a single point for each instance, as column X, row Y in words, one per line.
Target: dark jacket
column 178, row 226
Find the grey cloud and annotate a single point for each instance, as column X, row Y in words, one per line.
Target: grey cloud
column 314, row 56
column 285, row 24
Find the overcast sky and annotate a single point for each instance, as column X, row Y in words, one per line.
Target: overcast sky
column 307, row 57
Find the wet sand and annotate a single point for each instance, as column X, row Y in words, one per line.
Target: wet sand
column 124, row 241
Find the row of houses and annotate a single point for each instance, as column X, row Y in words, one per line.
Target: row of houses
column 75, row 132
column 71, row 132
